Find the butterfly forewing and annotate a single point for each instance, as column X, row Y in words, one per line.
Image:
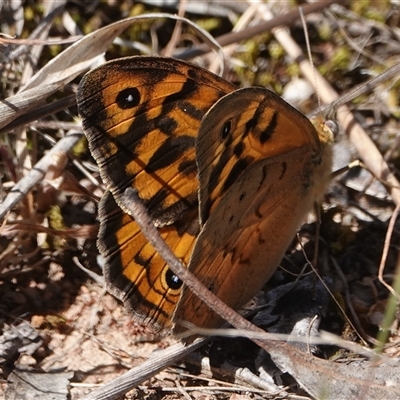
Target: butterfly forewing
column 257, row 171
column 141, row 116
column 266, row 127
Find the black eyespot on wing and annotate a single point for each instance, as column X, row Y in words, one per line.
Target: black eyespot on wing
column 128, row 98
column 172, row 280
column 226, row 129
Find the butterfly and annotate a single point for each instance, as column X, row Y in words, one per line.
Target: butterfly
column 226, row 174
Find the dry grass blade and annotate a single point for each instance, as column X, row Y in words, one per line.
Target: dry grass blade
column 144, row 371
column 36, row 175
column 386, row 251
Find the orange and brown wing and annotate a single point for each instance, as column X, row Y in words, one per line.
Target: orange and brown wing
column 258, row 168
column 141, row 116
column 135, row 272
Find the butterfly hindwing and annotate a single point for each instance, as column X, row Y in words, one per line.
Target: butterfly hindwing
column 135, row 272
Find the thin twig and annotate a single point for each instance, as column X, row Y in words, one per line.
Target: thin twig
column 385, row 252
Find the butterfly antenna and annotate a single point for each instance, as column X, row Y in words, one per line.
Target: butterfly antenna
column 303, row 22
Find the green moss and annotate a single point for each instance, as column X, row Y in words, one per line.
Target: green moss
column 266, row 79
column 252, row 51
column 276, row 50
column 360, row 6
column 53, row 321
column 29, row 14
column 55, row 49
column 371, row 9
column 92, row 24
column 338, row 63
column 56, row 220
column 80, row 148
column 209, row 24
column 136, row 10
column 394, row 96
column 341, row 58
column 293, row 69
column 325, row 32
